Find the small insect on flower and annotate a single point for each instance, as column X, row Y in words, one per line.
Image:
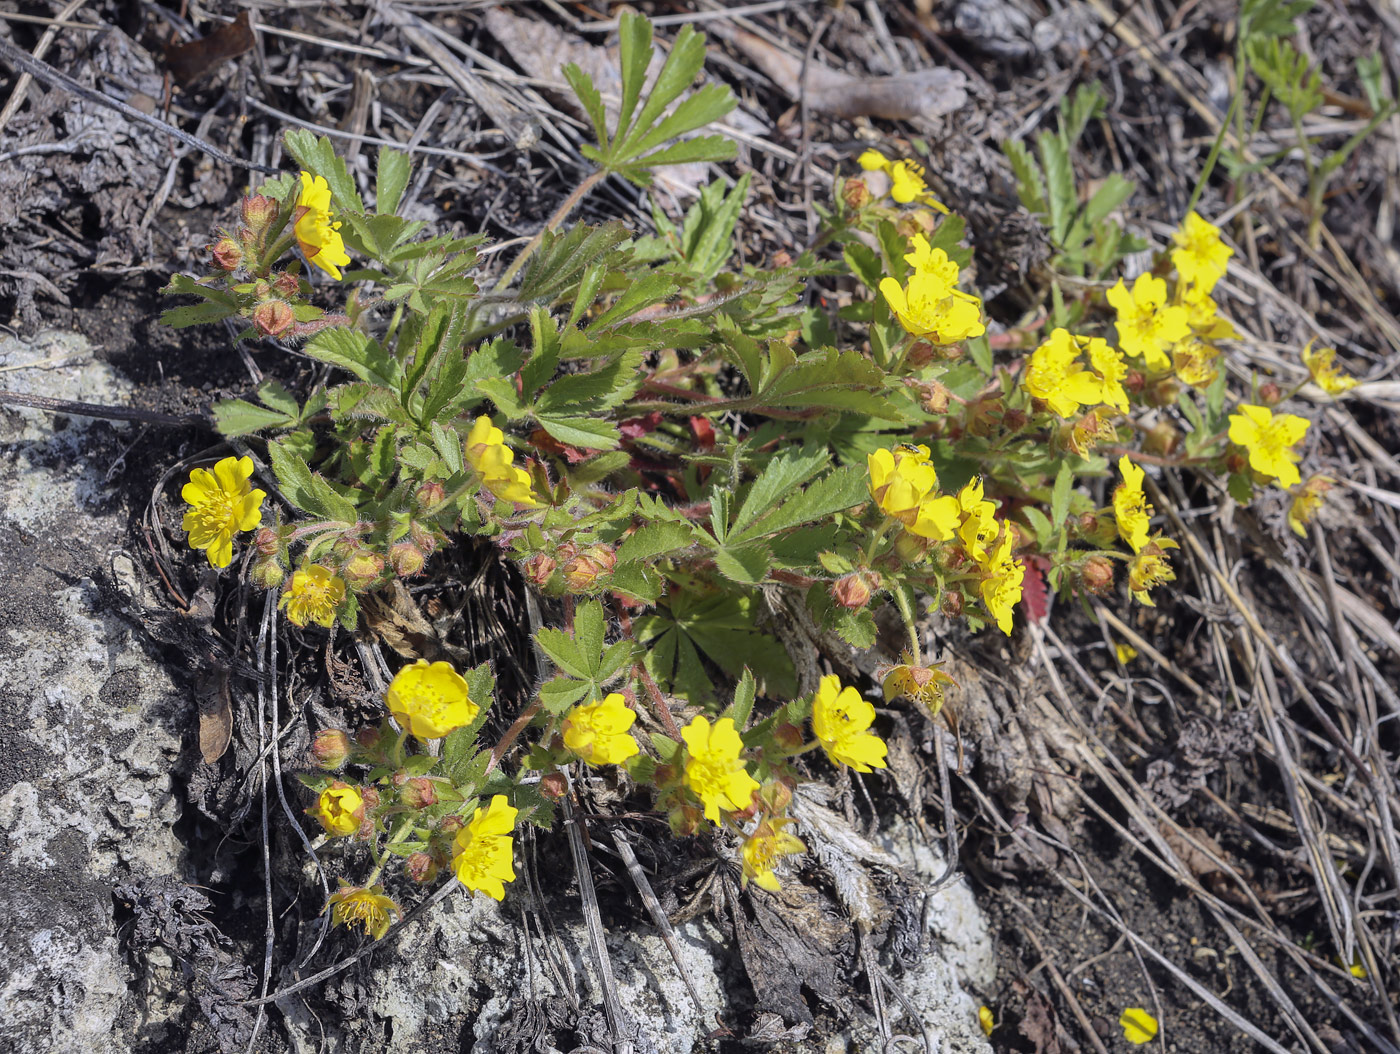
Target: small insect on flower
column 714, row 766
column 484, row 849
column 317, row 235
column 1147, row 324
column 221, row 505
column 1130, row 506
column 1200, row 257
column 340, row 809
column 841, row 721
column 430, row 699
column 1269, row 440
column 763, row 849
column 364, row 905
column 598, row 732
column 1323, row 369
column 1139, row 1026
column 314, row 594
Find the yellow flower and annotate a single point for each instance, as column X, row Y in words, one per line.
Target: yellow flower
column 1111, row 369
column 483, row 851
column 714, row 768
column 1307, row 503
column 928, row 307
column 486, row 451
column 761, row 850
column 932, row 262
column 900, row 479
column 986, row 1020
column 1139, row 1026
column 1357, row 969
column 1200, row 256
column 1147, row 324
column 923, row 684
column 979, row 526
column 598, row 732
column 340, row 808
column 1203, row 315
column 318, row 237
column 367, row 906
column 1194, row 362
column 1151, row 567
column 1322, row 367
column 221, row 505
column 1055, row 376
column 430, row 699
column 906, row 179
column 1130, row 507
column 1001, row 588
column 1270, row 441
column 1126, row 653
column 841, row 721
column 313, row 595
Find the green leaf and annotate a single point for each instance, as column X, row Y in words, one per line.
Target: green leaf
column 707, row 232
column 1030, row 183
column 275, row 397
column 581, row 432
column 317, row 155
column 561, row 258
column 234, row 417
column 653, row 288
column 1059, row 499
column 1045, row 531
column 354, row 352
column 565, row 653
column 748, row 565
column 843, row 488
column 559, row 694
column 304, row 489
column 589, row 629
column 196, row 314
column 742, row 706
column 784, row 474
column 636, row 580
column 390, row 179
column 590, row 99
column 1059, row 178
column 655, row 539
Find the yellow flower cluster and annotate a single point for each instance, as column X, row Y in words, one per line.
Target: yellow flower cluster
column 484, row 851
column 906, row 179
column 430, row 699
column 1002, row 579
column 714, row 766
column 221, row 505
column 314, row 594
column 1057, row 378
column 316, row 233
column 841, row 721
column 930, row 305
column 904, row 484
column 598, row 732
column 486, row 452
column 1151, row 565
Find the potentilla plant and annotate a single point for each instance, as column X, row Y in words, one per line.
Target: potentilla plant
column 581, row 416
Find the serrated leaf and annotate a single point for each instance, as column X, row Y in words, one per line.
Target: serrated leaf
column 742, row 706
column 1030, row 182
column 558, row 695
column 589, row 629
column 1040, row 523
column 317, row 155
column 1059, row 498
column 390, row 178
column 235, row 417
column 707, row 232
column 783, row 474
column 655, row 539
column 842, row 489
column 636, row 580
column 306, row 490
column 195, row 314
column 561, row 258
column 747, row 566
column 354, row 352
column 565, row 653
column 581, row 432
column 590, row 99
column 652, row 288
column 1059, row 181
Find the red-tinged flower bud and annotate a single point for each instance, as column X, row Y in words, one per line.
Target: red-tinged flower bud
column 1161, row 439
column 227, row 254
column 406, row 559
column 775, row 798
column 1270, row 394
column 418, row 793
column 273, row 318
column 362, row 570
column 330, row 749
column 855, row 194
column 1236, row 462
column 920, row 221
column 539, row 568
column 258, row 211
column 287, row 284
column 1097, row 575
column 952, row 604
column 910, row 548
column 1014, row 420
column 553, row 785
column 420, row 868
column 267, row 542
column 1134, row 381
column 782, row 258
column 371, row 797
column 686, row 820
column 855, row 590
column 1164, row 392
column 267, row 573
column 368, row 738
column 450, row 825
column 430, row 495
column 583, row 571
column 423, row 537
column 788, row 737
column 1088, row 523
column 920, row 354
column 936, row 397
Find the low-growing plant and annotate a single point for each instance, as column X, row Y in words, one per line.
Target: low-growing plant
column 663, row 440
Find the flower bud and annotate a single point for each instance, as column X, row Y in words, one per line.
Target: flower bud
column 430, row 495
column 1236, row 462
column 952, row 604
column 1270, row 394
column 583, row 570
column 258, row 211
column 272, row 318
column 450, row 825
column 1097, row 575
column 1134, row 381
column 371, row 797
column 420, row 868
column 910, row 548
column 920, row 221
column 418, row 793
column 227, row 254
column 855, row 590
column 539, row 568
column 553, row 785
column 362, row 570
column 935, row 397
column 775, row 798
column 368, row 738
column 267, row 573
column 287, row 284
column 782, row 258
column 406, row 559
column 788, row 737
column 1161, row 439
column 423, row 537
column 855, row 194
column 1014, row 420
column 330, row 749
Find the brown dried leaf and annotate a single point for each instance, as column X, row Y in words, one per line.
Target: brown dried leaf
column 215, row 714
column 196, row 59
column 1039, row 1022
